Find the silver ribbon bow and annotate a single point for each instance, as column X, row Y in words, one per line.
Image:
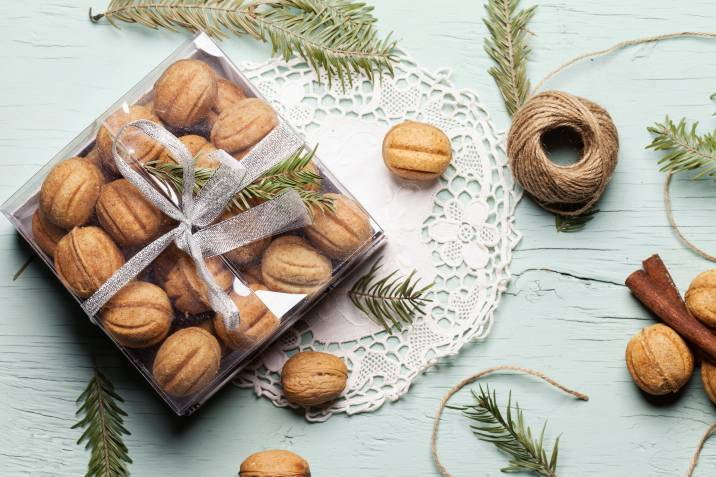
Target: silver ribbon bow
column 283, row 213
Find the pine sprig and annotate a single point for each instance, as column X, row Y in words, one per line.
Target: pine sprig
column 334, row 36
column 566, row 224
column 103, row 423
column 508, row 48
column 393, row 300
column 510, row 434
column 685, row 150
column 288, row 174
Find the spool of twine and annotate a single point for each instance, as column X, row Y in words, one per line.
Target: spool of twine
column 574, row 189
column 568, row 190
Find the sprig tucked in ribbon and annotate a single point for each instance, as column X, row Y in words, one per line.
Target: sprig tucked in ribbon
column 195, row 234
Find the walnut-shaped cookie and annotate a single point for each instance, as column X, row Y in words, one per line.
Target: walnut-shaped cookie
column 85, row 258
column 187, row 361
column 199, row 148
column 185, row 93
column 137, row 146
column 185, row 287
column 292, row 265
column 94, row 158
column 248, row 253
column 256, row 323
column 243, row 125
column 139, row 315
column 340, row 232
column 69, row 193
column 416, row 151
column 127, row 215
column 227, row 95
column 45, row 233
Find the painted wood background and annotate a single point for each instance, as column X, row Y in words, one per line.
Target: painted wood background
column 566, row 312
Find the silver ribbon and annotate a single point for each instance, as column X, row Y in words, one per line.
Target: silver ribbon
column 283, row 213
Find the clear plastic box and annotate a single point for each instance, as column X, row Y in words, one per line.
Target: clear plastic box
column 137, row 321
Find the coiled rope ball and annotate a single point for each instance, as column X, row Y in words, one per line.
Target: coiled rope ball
column 568, row 190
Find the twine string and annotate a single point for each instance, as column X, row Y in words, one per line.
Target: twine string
column 471, row 379
column 574, row 189
column 695, row 459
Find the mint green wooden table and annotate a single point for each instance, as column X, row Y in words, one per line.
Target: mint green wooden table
column 566, row 312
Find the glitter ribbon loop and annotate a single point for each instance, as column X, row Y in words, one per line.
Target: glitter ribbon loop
column 283, row 213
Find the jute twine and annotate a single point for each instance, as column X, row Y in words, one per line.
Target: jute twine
column 471, row 379
column 695, row 459
column 573, row 189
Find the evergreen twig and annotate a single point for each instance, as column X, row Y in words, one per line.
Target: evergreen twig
column 508, row 48
column 334, row 36
column 103, row 423
column 288, row 174
column 391, row 301
column 510, row 434
column 685, row 150
column 573, row 224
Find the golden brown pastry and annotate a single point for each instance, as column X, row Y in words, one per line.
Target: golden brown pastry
column 69, row 193
column 199, row 148
column 45, row 233
column 274, row 463
column 251, row 273
column 227, row 94
column 187, row 361
column 85, row 258
column 94, row 158
column 139, row 315
column 243, row 125
column 701, row 297
column 311, row 378
column 187, row 290
column 292, row 265
column 340, row 232
column 127, row 215
column 185, row 93
column 248, row 253
column 416, row 151
column 708, row 379
column 256, row 321
column 138, row 146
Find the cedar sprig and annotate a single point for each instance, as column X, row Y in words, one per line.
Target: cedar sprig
column 288, row 174
column 510, row 434
column 508, row 48
column 567, row 224
column 393, row 300
column 685, row 149
column 102, row 419
column 337, row 37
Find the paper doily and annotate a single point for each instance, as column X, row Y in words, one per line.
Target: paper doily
column 458, row 231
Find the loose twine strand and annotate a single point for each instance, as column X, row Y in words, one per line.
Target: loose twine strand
column 574, row 189
column 672, row 222
column 471, row 379
column 695, row 459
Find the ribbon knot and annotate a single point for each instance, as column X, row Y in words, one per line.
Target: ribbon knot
column 196, row 233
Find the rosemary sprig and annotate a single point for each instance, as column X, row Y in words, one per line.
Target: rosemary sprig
column 508, row 48
column 685, row 150
column 573, row 224
column 393, row 300
column 288, row 174
column 334, row 36
column 103, row 424
column 510, row 434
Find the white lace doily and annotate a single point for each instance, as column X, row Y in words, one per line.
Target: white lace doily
column 458, row 232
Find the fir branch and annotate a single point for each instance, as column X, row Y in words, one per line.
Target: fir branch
column 508, row 48
column 567, row 224
column 334, row 36
column 103, row 424
column 288, row 174
column 510, row 435
column 392, row 300
column 685, row 150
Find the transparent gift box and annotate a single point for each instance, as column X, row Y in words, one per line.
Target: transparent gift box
column 86, row 220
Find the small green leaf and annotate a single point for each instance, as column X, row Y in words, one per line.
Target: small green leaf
column 573, row 224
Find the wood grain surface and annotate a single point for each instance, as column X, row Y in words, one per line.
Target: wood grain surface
column 566, row 312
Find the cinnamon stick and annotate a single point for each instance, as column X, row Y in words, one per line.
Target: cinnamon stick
column 662, row 304
column 660, row 276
